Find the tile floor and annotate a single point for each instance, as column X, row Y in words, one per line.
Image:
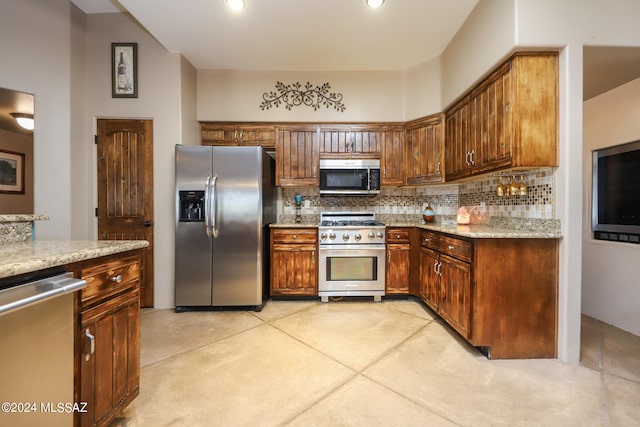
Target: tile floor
column 355, row 363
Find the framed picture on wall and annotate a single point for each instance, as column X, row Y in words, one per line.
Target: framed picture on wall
column 124, row 70
column 11, row 172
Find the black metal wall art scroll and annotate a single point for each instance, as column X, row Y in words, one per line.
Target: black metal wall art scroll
column 294, row 95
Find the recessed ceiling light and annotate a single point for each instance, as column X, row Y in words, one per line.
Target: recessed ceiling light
column 236, row 5
column 374, row 4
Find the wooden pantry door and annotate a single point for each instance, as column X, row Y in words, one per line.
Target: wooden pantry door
column 125, row 189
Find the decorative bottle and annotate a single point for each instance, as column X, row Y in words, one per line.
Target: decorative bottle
column 122, row 73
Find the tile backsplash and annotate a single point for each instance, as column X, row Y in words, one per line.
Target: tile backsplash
column 444, row 199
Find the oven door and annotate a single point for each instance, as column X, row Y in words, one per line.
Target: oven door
column 351, row 270
column 344, row 181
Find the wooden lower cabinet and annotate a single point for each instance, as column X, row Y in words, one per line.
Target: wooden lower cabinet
column 398, row 261
column 294, row 262
column 499, row 294
column 107, row 337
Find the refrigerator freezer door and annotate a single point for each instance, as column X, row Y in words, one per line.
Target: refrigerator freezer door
column 192, row 246
column 237, row 249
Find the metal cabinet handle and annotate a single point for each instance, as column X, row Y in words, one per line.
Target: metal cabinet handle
column 235, row 135
column 92, row 344
column 438, row 167
column 241, row 136
column 473, row 153
column 117, row 278
column 466, row 159
column 313, row 256
column 450, row 247
column 435, row 267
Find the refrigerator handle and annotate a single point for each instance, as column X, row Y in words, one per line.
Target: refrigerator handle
column 214, row 210
column 207, row 206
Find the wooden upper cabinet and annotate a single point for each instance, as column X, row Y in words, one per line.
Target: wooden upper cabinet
column 297, row 156
column 230, row 133
column 392, row 140
column 424, row 150
column 351, row 141
column 510, row 120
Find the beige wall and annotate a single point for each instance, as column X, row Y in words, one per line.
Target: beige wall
column 237, row 95
column 610, row 270
column 160, row 89
column 40, row 64
column 18, row 143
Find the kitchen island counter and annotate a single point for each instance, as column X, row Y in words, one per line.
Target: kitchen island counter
column 26, row 257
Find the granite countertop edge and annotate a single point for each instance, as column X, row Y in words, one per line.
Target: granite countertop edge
column 475, row 231
column 22, row 218
column 26, row 257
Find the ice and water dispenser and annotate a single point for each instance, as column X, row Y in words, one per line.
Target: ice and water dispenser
column 191, row 206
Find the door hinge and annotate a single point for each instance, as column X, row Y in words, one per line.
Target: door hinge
column 96, row 212
column 95, row 139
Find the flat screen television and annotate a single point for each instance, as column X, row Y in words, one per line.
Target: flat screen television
column 616, row 193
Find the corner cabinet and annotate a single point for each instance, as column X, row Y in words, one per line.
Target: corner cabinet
column 392, row 140
column 509, row 120
column 240, row 133
column 499, row 294
column 294, row 262
column 297, row 156
column 107, row 340
column 424, row 147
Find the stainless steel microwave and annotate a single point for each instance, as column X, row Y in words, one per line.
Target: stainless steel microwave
column 349, row 176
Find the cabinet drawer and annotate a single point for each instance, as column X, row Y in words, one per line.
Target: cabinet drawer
column 109, row 278
column 397, row 235
column 430, row 240
column 297, row 235
column 456, row 248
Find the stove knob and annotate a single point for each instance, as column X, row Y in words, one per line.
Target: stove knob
column 357, row 237
column 323, row 236
column 345, row 237
column 379, row 235
column 332, row 236
column 371, row 235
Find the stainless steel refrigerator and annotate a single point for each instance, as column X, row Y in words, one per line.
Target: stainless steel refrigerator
column 225, row 200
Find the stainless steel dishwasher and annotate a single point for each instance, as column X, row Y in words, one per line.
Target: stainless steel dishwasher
column 36, row 351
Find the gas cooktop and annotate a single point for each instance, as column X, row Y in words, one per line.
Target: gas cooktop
column 349, row 219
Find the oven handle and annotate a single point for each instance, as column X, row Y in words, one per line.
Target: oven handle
column 351, row 247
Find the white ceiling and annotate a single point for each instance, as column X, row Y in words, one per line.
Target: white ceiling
column 322, row 35
column 318, row 35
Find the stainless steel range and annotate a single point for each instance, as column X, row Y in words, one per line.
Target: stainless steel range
column 351, row 255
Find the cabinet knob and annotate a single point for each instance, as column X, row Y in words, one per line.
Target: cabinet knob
column 450, row 247
column 295, row 237
column 117, row 278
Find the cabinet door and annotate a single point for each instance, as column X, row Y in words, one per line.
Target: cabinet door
column 256, row 135
column 350, row 141
column 424, row 150
column 110, row 357
column 294, row 269
column 397, row 274
column 429, row 278
column 455, row 294
column 490, row 115
column 458, row 152
column 297, row 156
column 392, row 161
column 218, row 133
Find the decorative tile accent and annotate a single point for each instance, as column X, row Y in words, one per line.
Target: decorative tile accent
column 444, row 199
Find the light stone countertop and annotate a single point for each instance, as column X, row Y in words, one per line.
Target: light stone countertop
column 497, row 229
column 26, row 257
column 22, row 218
